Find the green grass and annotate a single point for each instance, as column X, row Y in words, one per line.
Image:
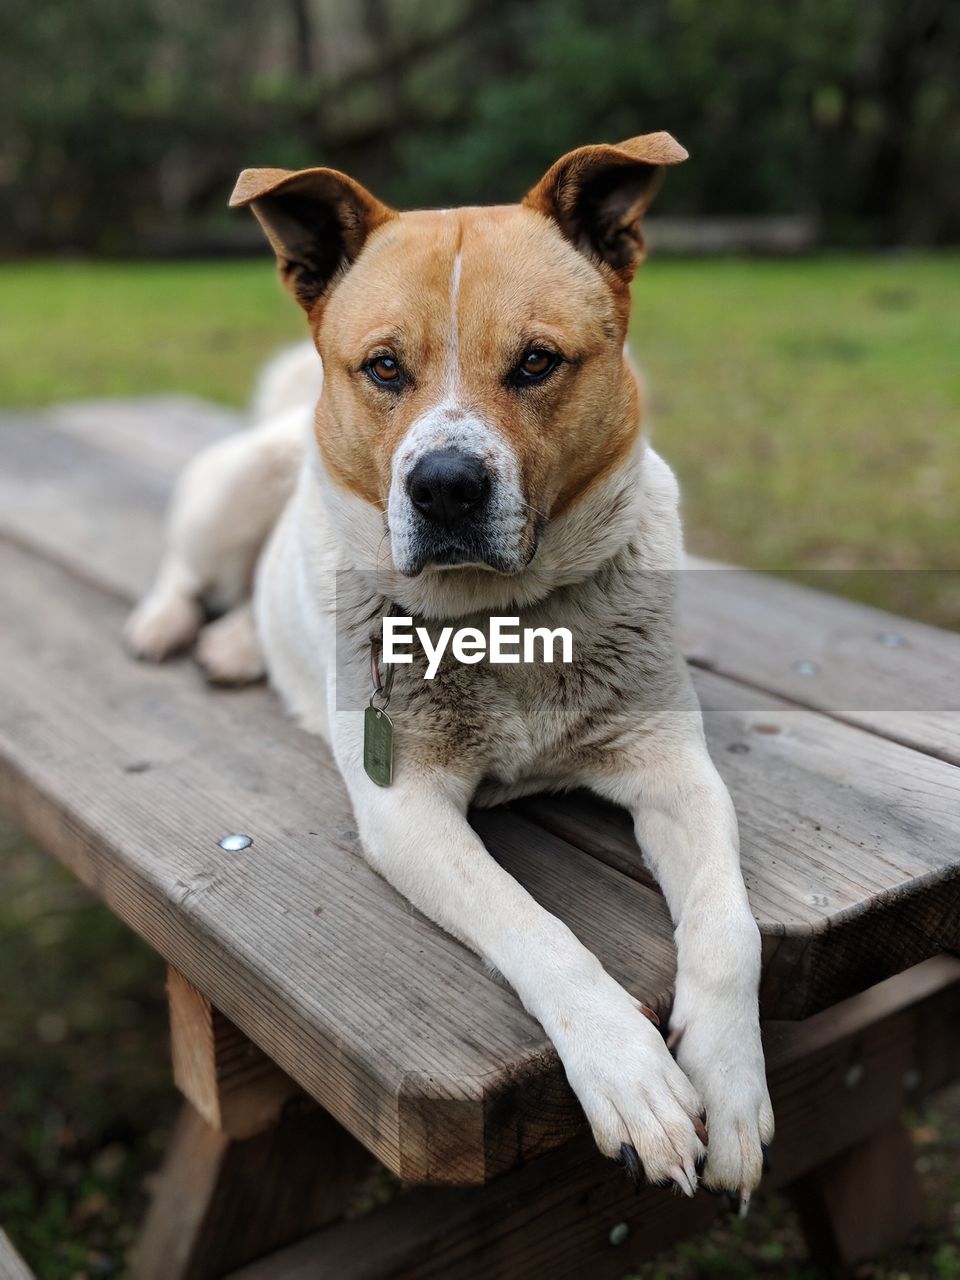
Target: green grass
column 812, row 410
column 73, row 329
column 811, row 407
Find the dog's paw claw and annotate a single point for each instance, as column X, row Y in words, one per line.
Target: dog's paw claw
column 631, row 1162
column 685, row 1180
column 648, row 1013
column 730, row 1201
column 721, row 1054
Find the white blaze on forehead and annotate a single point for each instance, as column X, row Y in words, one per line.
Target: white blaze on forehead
column 453, row 335
column 449, row 424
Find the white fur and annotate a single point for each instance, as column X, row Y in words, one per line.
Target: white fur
column 453, row 340
column 292, row 379
column 506, row 516
column 640, row 744
column 447, row 424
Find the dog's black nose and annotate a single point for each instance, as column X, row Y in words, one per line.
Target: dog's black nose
column 447, row 486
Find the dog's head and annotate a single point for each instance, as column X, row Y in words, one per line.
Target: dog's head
column 475, row 386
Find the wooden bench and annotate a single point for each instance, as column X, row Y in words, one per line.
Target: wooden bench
column 298, row 977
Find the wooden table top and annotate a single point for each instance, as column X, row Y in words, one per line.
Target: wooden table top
column 840, row 745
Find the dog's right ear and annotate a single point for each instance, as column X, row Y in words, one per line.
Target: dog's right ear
column 317, row 221
column 597, row 196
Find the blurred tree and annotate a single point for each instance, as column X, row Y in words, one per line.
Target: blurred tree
column 122, row 119
column 302, row 44
column 891, row 132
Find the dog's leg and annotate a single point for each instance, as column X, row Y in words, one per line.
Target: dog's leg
column 687, row 831
column 224, row 506
column 641, row 1107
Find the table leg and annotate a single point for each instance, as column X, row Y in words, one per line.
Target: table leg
column 253, row 1163
column 221, row 1202
column 865, row 1200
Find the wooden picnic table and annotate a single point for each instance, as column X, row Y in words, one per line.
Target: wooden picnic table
column 299, row 977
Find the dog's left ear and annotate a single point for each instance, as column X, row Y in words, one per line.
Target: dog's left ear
column 317, row 221
column 597, row 196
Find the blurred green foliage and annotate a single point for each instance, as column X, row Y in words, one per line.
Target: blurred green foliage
column 87, row 1097
column 124, row 122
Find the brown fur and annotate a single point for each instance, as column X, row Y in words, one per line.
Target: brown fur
column 521, row 284
column 554, row 270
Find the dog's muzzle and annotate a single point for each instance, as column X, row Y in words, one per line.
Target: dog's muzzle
column 456, row 498
column 450, row 494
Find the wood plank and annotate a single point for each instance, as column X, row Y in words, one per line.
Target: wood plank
column 98, row 513
column 88, row 482
column 231, row 1084
column 220, row 1203
column 12, row 1266
column 555, row 1218
column 867, row 667
column 131, row 774
column 560, row 1225
column 159, row 431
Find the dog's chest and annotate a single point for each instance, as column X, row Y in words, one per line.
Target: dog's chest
column 544, row 720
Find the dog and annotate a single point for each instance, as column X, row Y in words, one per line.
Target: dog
column 477, row 448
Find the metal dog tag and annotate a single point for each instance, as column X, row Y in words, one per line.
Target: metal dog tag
column 378, row 746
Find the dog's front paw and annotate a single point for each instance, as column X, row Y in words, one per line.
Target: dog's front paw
column 717, row 1044
column 641, row 1107
column 162, row 624
column 228, row 650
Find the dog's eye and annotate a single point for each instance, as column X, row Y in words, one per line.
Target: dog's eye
column 385, row 371
column 535, row 365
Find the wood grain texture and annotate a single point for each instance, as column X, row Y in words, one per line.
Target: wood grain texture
column 850, row 847
column 88, row 483
column 552, row 1219
column 757, row 627
column 12, row 1266
column 219, row 1203
column 231, row 1084
column 131, row 774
